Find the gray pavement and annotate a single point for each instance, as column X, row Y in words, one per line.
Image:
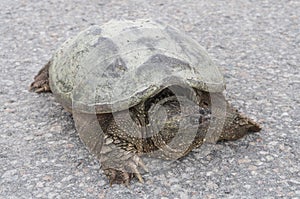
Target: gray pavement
column 255, row 43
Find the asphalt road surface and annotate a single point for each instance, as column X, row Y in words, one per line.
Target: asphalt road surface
column 257, row 47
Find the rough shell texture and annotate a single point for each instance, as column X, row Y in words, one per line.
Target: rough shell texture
column 117, row 65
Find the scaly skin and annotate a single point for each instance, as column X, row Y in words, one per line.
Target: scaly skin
column 159, row 127
column 41, row 80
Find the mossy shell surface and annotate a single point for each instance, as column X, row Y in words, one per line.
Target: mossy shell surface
column 117, row 65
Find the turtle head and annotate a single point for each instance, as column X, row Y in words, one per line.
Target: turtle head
column 237, row 126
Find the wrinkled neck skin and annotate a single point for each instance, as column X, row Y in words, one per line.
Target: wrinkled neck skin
column 181, row 120
column 170, row 126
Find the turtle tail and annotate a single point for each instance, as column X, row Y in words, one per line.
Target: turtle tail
column 41, row 80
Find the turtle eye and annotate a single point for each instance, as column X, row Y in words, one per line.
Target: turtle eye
column 194, row 120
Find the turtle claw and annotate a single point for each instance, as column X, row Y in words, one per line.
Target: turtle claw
column 111, row 180
column 39, row 89
column 124, row 175
column 126, row 178
column 136, row 172
column 144, row 166
column 138, row 162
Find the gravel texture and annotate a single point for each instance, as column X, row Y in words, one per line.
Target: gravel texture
column 255, row 43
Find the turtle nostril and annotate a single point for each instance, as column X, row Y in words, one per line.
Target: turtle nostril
column 205, row 103
column 201, row 111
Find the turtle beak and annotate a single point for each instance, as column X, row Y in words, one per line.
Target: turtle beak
column 253, row 126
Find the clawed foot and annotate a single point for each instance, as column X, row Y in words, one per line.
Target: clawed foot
column 41, row 81
column 118, row 177
column 39, row 87
column 123, row 174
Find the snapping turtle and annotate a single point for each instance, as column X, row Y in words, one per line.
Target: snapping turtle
column 140, row 88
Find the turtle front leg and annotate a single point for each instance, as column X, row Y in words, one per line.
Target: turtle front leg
column 120, row 165
column 116, row 149
column 120, row 152
column 41, row 80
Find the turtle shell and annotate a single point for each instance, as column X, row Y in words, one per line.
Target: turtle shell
column 117, row 65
